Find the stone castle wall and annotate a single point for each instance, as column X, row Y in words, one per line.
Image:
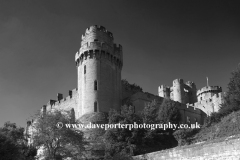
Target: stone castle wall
column 228, row 149
column 67, row 103
column 208, row 99
column 180, row 91
column 189, row 114
column 209, row 105
column 99, row 63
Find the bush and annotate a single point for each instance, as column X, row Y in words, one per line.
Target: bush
column 185, row 136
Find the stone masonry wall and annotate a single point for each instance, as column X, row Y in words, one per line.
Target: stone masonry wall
column 209, row 105
column 227, row 149
column 67, row 103
column 189, row 114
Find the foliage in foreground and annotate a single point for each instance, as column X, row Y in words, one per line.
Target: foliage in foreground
column 125, row 142
column 168, row 112
column 57, row 142
column 225, row 122
column 228, row 126
column 231, row 99
column 13, row 144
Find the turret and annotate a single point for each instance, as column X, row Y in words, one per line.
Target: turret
column 177, row 91
column 207, row 92
column 99, row 62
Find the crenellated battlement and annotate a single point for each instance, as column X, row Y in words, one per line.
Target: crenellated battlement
column 163, row 87
column 54, row 103
column 209, row 89
column 97, row 29
column 97, row 54
column 190, row 84
column 178, row 81
column 208, row 99
column 117, row 47
column 217, row 96
column 96, row 45
column 209, row 105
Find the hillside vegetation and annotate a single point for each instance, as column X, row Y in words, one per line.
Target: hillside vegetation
column 224, row 123
column 228, row 126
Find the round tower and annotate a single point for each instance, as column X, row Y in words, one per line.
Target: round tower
column 99, row 64
column 207, row 92
column 177, row 90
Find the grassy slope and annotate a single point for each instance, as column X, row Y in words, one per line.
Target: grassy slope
column 228, row 126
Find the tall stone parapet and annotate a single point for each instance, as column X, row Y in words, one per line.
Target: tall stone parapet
column 178, row 91
column 99, row 63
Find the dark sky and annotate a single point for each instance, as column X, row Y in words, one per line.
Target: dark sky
column 162, row 41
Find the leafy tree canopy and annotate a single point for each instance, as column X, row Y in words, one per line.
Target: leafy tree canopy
column 169, row 112
column 122, row 142
column 64, row 142
column 131, row 87
column 232, row 98
column 13, row 145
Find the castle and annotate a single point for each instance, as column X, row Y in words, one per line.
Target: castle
column 99, row 64
column 208, row 99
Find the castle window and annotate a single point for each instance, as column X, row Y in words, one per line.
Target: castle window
column 95, row 40
column 95, row 85
column 95, row 106
column 84, row 69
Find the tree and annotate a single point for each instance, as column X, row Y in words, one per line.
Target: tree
column 126, row 142
column 8, row 149
column 185, row 136
column 169, row 112
column 131, row 87
column 13, row 143
column 122, row 142
column 232, row 98
column 149, row 115
column 155, row 139
column 57, row 142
